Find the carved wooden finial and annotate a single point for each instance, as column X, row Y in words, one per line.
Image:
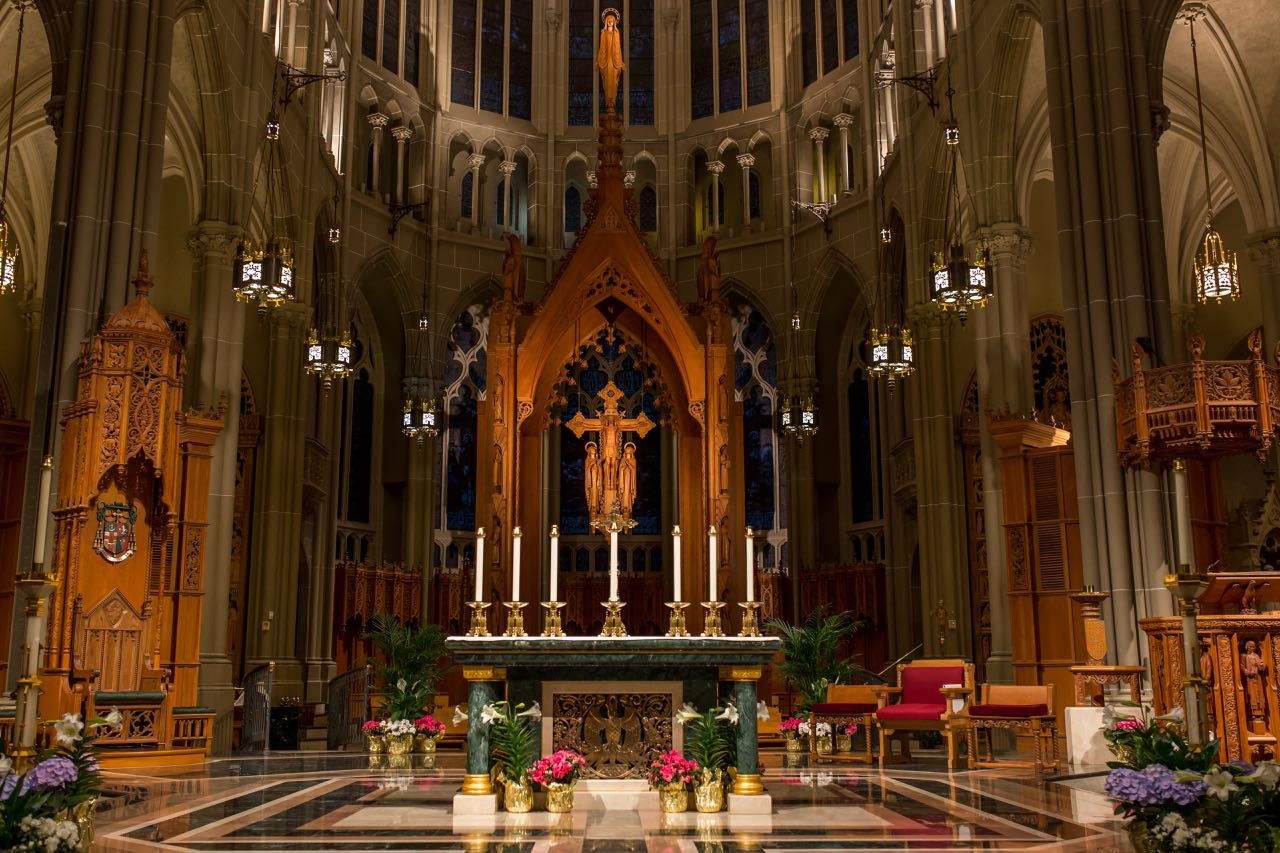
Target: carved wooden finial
column 142, row 279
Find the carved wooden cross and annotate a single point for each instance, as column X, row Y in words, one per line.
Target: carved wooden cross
column 611, row 425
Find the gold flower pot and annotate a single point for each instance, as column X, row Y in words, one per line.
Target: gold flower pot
column 844, row 743
column 517, row 797
column 400, row 744
column 795, row 744
column 402, row 761
column 560, row 797
column 377, row 760
column 424, row 744
column 377, row 744
column 673, row 799
column 708, row 795
column 82, row 816
column 824, row 744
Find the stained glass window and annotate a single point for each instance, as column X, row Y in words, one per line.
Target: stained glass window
column 391, row 35
column 464, row 382
column 753, row 188
column 572, row 210
column 582, row 62
column 756, row 20
column 520, row 79
column 850, row 10
column 830, row 37
column 729, row 37
column 808, row 41
column 492, row 15
column 466, row 190
column 369, row 30
column 412, row 13
column 755, row 386
column 463, row 70
column 640, row 62
column 648, row 209
column 701, row 53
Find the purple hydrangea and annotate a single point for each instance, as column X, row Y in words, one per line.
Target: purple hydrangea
column 1152, row 786
column 7, row 784
column 50, row 774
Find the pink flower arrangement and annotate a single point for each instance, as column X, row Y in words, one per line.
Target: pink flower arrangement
column 429, row 725
column 1128, row 724
column 671, row 768
column 848, row 729
column 560, row 767
column 372, row 727
column 789, row 726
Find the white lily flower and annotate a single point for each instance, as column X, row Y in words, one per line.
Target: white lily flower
column 458, row 714
column 534, row 711
column 1177, row 715
column 687, row 713
column 68, row 729
column 762, row 711
column 1266, row 774
column 401, row 685
column 490, row 715
column 1221, row 783
column 729, row 713
column 114, row 719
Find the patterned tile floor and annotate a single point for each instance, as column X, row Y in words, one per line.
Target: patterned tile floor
column 331, row 802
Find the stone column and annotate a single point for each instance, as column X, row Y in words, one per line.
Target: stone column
column 377, row 122
column 1004, row 381
column 402, row 134
column 819, row 136
column 927, row 24
column 743, row 679
column 476, row 162
column 715, row 167
column 507, row 168
column 844, row 121
column 1264, row 250
column 746, row 161
column 484, row 683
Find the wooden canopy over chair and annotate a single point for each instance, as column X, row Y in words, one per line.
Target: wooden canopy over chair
column 932, row 694
column 845, row 703
column 1022, row 707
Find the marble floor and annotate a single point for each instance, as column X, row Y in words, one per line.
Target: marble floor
column 322, row 802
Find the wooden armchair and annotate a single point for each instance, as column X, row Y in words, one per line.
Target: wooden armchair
column 928, row 702
column 1025, row 708
column 845, row 703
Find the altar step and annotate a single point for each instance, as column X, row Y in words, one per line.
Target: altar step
column 614, row 795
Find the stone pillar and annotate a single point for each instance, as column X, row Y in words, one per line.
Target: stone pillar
column 715, row 167
column 507, row 168
column 746, row 161
column 377, row 122
column 1264, row 250
column 476, row 163
column 743, row 679
column 819, row 136
column 213, row 377
column 1115, row 287
column 844, row 121
column 484, row 681
column 927, row 24
column 1004, row 381
column 402, row 134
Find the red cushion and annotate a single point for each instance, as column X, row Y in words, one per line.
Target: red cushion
column 843, row 708
column 912, row 711
column 921, row 685
column 1008, row 710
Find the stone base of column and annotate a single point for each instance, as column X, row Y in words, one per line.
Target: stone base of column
column 318, row 675
column 475, row 804
column 216, row 691
column 287, row 680
column 750, row 804
column 1000, row 668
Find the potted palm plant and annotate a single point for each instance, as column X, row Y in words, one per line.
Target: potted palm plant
column 409, row 665
column 813, row 657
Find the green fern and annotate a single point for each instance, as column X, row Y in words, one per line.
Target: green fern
column 812, row 651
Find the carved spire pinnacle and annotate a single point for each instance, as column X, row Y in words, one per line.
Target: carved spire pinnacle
column 142, row 279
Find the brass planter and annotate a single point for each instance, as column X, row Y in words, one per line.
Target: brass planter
column 377, row 744
column 424, row 744
column 400, row 744
column 82, row 816
column 795, row 744
column 517, row 797
column 673, row 799
column 708, row 795
column 824, row 745
column 403, row 761
column 844, row 743
column 560, row 797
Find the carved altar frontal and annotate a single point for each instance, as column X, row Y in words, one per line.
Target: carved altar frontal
column 620, row 726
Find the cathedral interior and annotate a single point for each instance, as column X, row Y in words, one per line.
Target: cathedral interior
column 957, row 318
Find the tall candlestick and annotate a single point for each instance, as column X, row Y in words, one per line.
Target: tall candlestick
column 42, row 514
column 515, row 564
column 675, row 537
column 555, row 562
column 711, row 547
column 751, row 565
column 479, row 564
column 613, row 562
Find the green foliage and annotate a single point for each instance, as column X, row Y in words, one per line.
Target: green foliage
column 709, row 740
column 513, row 739
column 812, row 653
column 411, row 664
column 1138, row 744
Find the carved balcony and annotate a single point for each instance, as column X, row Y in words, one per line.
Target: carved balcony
column 1197, row 409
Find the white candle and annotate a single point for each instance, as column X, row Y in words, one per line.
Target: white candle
column 555, row 561
column 479, row 564
column 515, row 564
column 42, row 514
column 613, row 562
column 751, row 565
column 675, row 537
column 711, row 536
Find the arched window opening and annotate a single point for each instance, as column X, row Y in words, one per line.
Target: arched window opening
column 464, row 387
column 753, row 191
column 466, row 190
column 755, row 386
column 648, row 209
column 504, row 64
column 725, row 37
column 572, row 210
column 824, row 25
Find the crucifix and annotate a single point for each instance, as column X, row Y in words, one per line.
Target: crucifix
column 611, row 465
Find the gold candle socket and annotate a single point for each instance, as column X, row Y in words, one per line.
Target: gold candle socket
column 677, row 627
column 613, row 626
column 551, row 622
column 750, row 619
column 711, row 622
column 479, row 619
column 515, row 618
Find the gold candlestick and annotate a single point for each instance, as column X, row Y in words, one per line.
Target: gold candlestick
column 613, row 626
column 711, row 622
column 515, row 618
column 479, row 619
column 551, row 623
column 750, row 621
column 677, row 627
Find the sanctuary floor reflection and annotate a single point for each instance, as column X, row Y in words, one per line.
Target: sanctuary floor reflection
column 335, row 802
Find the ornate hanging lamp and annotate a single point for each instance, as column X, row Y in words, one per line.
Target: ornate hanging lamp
column 891, row 354
column 958, row 283
column 8, row 242
column 328, row 357
column 421, row 416
column 798, row 417
column 1216, row 276
column 263, row 270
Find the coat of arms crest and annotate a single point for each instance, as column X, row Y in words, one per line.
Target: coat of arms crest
column 115, row 539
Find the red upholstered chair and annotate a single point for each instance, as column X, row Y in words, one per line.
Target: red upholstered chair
column 1025, row 708
column 925, row 703
column 846, row 703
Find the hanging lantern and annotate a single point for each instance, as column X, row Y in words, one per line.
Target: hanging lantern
column 8, row 258
column 892, row 353
column 328, row 357
column 263, row 268
column 420, row 419
column 1216, row 274
column 798, row 418
column 958, row 283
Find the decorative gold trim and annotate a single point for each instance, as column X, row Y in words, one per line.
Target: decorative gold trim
column 484, row 673
column 748, row 784
column 477, row 784
column 741, row 673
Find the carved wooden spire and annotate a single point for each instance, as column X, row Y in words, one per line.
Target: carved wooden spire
column 142, row 279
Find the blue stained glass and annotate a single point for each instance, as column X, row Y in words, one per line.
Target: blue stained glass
column 369, row 30
column 757, row 29
column 850, row 29
column 572, row 210
column 830, row 36
column 462, row 81
column 391, row 35
column 412, row 13
column 466, row 190
column 729, row 35
column 582, row 62
column 648, row 209
column 701, row 55
column 520, row 78
column 492, row 38
column 757, row 436
column 360, row 472
column 753, row 191
column 808, row 41
column 640, row 62
column 460, row 496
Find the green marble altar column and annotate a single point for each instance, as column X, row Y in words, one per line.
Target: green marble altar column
column 743, row 679
column 484, row 682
